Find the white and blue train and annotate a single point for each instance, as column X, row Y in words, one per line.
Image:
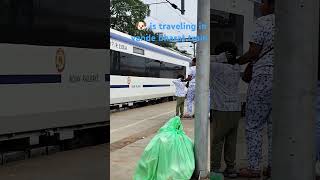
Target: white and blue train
column 142, row 71
column 53, row 68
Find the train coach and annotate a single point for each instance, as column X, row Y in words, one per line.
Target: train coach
column 141, row 71
column 53, row 68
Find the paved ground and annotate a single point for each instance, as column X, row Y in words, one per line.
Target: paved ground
column 124, row 161
column 127, row 123
column 82, row 164
column 125, row 153
column 92, row 163
column 131, row 131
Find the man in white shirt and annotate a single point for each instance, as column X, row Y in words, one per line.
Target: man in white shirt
column 180, row 94
column 225, row 107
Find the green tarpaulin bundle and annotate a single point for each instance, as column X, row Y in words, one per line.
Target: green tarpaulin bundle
column 169, row 155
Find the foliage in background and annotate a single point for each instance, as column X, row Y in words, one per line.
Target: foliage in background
column 125, row 14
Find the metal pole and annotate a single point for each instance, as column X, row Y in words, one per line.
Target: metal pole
column 182, row 7
column 202, row 90
column 295, row 75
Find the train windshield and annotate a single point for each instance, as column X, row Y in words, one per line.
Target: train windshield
column 125, row 64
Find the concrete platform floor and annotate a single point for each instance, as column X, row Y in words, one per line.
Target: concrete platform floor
column 126, row 152
column 91, row 163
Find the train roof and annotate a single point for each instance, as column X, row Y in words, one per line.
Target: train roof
column 120, row 36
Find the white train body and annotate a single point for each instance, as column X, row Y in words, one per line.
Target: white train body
column 132, row 80
column 52, row 80
column 35, row 96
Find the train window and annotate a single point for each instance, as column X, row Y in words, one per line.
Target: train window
column 169, row 70
column 115, row 62
column 130, row 65
column 126, row 64
column 138, row 50
column 53, row 23
column 152, row 68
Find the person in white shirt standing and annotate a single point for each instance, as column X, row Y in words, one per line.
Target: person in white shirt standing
column 192, row 88
column 225, row 107
column 180, row 94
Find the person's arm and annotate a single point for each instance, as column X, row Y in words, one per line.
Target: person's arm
column 187, row 84
column 256, row 42
column 189, row 78
column 221, row 58
column 251, row 55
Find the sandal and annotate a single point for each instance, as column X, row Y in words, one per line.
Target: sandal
column 248, row 173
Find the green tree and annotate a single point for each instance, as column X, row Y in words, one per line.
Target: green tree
column 125, row 14
column 157, row 42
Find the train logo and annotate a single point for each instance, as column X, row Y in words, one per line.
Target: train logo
column 141, row 25
column 129, row 80
column 60, row 60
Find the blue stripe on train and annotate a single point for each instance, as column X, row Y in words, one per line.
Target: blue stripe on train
column 157, row 85
column 119, row 86
column 145, row 86
column 30, row 79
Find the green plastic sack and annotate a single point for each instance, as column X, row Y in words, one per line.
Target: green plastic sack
column 216, row 176
column 169, row 155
